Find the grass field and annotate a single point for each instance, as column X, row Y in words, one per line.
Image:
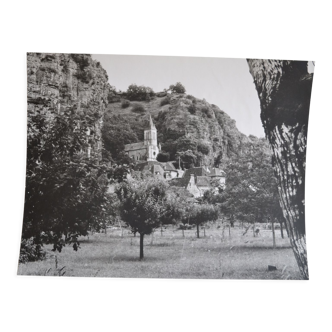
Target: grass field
column 116, row 254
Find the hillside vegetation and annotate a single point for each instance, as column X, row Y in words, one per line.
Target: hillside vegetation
column 199, row 132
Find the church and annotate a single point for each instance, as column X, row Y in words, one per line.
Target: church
column 146, row 150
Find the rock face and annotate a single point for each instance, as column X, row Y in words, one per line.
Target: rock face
column 58, row 81
column 284, row 90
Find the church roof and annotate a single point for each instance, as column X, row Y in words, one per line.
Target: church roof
column 146, row 166
column 134, row 146
column 169, row 167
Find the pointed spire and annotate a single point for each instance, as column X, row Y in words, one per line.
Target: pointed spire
column 152, row 126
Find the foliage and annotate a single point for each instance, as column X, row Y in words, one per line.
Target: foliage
column 188, row 158
column 139, row 93
column 177, row 88
column 163, row 157
column 203, row 148
column 141, row 203
column 137, row 108
column 30, row 252
column 125, row 103
column 64, row 197
column 192, row 109
column 251, row 190
column 165, row 101
column 112, row 96
column 116, row 132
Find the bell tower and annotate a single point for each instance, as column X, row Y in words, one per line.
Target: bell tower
column 150, row 141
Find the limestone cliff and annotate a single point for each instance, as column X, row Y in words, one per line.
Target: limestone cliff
column 57, row 81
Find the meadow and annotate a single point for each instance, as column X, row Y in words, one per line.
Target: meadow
column 170, row 255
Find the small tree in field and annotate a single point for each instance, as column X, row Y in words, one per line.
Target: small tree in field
column 141, row 205
column 200, row 214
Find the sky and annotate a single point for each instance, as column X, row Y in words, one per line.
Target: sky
column 224, row 82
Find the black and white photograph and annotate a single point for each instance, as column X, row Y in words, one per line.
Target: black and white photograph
column 165, row 167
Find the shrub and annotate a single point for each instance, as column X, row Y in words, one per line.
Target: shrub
column 164, row 101
column 177, row 88
column 138, row 108
column 203, row 148
column 163, row 157
column 205, row 110
column 192, row 109
column 31, row 252
column 125, row 104
column 190, row 97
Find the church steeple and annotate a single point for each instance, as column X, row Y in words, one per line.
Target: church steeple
column 152, row 126
column 150, row 141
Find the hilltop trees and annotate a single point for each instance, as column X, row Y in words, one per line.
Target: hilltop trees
column 177, row 88
column 139, row 93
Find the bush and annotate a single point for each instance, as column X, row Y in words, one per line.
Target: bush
column 203, row 148
column 138, row 108
column 125, row 104
column 31, row 252
column 205, row 110
column 164, row 101
column 163, row 157
column 192, row 109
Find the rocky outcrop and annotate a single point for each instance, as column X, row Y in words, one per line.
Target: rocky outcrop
column 284, row 90
column 57, row 81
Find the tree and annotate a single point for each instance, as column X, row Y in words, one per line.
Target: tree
column 116, row 132
column 141, row 205
column 284, row 91
column 201, row 213
column 163, row 157
column 177, row 88
column 65, row 189
column 250, row 195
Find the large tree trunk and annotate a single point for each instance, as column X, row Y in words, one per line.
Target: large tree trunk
column 197, row 230
column 141, row 239
column 284, row 90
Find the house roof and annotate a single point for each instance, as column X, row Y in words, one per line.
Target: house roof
column 197, row 171
column 202, row 181
column 170, row 167
column 179, row 182
column 217, row 172
column 157, row 168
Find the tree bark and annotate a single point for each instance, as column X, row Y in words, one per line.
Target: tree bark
column 141, row 239
column 197, row 231
column 281, row 229
column 284, row 90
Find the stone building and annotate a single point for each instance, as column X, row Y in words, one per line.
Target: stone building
column 146, row 150
column 197, row 180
